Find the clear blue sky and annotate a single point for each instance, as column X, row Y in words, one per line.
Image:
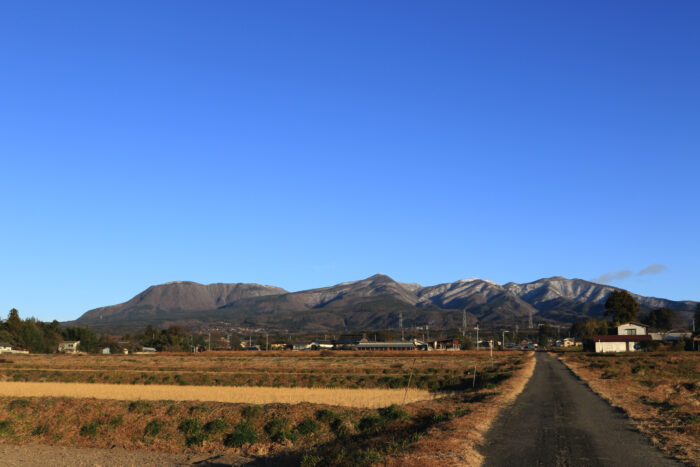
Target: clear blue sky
column 302, row 144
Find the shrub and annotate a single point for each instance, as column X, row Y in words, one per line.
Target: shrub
column 190, row 426
column 195, row 440
column 40, row 430
column 115, row 421
column 308, row 426
column 153, row 428
column 18, row 404
column 326, row 416
column 198, row 408
column 215, row 426
column 370, row 423
column 309, row 460
column 252, row 412
column 88, row 430
column 139, row 406
column 6, row 427
column 393, row 412
column 368, row 457
column 244, row 433
column 278, row 430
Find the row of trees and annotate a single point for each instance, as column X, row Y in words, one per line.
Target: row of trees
column 39, row 337
column 622, row 308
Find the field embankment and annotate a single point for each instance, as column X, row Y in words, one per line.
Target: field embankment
column 659, row 391
column 454, row 442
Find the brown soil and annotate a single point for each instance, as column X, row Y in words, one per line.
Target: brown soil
column 61, row 456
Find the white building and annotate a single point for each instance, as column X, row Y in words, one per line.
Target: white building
column 632, row 329
column 5, row 347
column 629, row 338
column 68, row 346
column 619, row 343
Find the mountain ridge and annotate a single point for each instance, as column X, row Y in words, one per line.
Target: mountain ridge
column 375, row 302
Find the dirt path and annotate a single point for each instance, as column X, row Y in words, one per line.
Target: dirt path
column 559, row 421
column 31, row 455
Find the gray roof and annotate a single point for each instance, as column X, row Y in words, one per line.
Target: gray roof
column 386, row 344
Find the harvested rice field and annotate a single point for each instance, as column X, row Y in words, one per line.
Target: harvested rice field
column 236, row 394
column 354, row 370
column 338, row 408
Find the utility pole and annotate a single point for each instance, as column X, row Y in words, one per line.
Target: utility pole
column 210, row 341
column 464, row 321
column 503, row 341
column 477, row 336
column 267, row 342
column 401, row 324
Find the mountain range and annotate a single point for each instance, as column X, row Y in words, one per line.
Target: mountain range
column 377, row 302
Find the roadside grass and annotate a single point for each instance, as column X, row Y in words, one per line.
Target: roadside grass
column 659, row 391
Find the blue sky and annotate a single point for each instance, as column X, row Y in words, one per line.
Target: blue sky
column 302, row 144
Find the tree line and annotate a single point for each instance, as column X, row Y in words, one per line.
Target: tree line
column 41, row 337
column 621, row 307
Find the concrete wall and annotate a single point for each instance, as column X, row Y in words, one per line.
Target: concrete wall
column 615, row 346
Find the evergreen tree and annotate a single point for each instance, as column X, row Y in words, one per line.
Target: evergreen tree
column 661, row 318
column 622, row 306
column 14, row 323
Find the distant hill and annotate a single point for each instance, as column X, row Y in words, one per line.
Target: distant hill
column 372, row 303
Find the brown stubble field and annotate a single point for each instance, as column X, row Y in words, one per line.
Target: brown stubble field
column 659, row 391
column 446, row 425
column 431, row 371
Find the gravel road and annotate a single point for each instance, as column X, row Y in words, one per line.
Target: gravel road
column 559, row 421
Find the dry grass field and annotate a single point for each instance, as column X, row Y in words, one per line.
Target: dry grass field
column 431, row 371
column 443, row 420
column 659, row 391
column 370, row 398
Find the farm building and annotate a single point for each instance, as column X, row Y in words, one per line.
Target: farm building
column 68, row 346
column 672, row 335
column 397, row 345
column 632, row 329
column 302, row 345
column 629, row 338
column 446, row 344
column 322, row 345
column 349, row 341
column 624, row 343
column 5, row 347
